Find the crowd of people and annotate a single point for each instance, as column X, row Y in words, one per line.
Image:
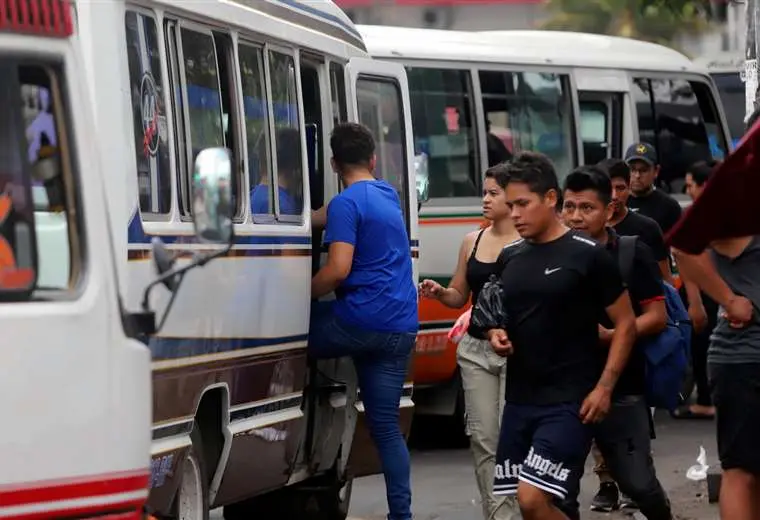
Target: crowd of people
column 582, row 273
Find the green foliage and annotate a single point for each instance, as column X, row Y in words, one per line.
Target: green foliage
column 651, row 20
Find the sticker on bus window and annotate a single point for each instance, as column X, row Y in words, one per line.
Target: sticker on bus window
column 150, row 114
column 452, row 119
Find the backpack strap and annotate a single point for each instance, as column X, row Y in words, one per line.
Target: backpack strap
column 626, row 254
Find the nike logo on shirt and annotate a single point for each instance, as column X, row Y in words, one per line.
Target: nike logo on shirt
column 548, row 271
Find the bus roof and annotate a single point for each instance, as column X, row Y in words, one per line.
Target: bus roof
column 323, row 16
column 722, row 61
column 524, row 47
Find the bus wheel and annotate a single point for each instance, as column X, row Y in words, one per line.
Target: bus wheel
column 191, row 501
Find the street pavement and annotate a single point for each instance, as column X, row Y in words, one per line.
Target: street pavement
column 444, row 485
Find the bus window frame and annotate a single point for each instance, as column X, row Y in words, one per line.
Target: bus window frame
column 473, row 69
column 633, row 75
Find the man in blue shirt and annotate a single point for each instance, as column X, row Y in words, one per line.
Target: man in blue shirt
column 374, row 317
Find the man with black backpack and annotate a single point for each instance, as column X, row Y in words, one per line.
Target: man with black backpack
column 623, row 437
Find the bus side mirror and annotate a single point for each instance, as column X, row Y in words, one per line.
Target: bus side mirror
column 213, row 207
column 212, row 196
column 422, row 179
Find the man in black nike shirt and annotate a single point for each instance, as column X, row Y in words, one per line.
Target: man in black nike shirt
column 623, row 437
column 556, row 284
column 641, row 158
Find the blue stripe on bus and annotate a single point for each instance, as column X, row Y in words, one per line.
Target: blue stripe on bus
column 136, row 235
column 203, row 98
column 163, row 348
column 320, row 14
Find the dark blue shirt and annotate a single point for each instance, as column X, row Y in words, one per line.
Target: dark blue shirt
column 379, row 293
column 260, row 201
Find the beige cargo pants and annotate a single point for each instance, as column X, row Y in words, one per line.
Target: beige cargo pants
column 483, row 378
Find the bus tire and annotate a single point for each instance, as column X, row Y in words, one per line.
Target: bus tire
column 191, row 500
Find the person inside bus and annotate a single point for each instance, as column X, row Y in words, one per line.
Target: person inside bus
column 373, row 318
column 289, row 177
column 703, row 408
column 482, row 370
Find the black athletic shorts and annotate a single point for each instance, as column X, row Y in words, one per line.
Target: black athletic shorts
column 544, row 446
column 736, row 395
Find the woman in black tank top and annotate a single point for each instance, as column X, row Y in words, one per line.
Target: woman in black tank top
column 482, row 371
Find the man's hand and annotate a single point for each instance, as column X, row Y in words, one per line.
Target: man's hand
column 430, row 289
column 596, row 405
column 605, row 335
column 500, row 342
column 698, row 316
column 738, row 312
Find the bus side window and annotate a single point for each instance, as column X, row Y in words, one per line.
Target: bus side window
column 148, row 115
column 288, row 164
column 256, row 113
column 682, row 128
column 38, row 224
column 528, row 111
column 338, row 93
column 594, row 131
column 230, row 117
column 444, row 129
column 201, row 105
column 380, row 110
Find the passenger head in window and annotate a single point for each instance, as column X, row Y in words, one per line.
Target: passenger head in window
column 290, row 187
column 697, row 176
column 641, row 158
column 289, row 171
column 533, row 195
column 497, row 150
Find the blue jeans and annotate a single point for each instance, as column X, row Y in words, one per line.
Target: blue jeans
column 381, row 360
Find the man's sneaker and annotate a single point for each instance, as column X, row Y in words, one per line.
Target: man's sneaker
column 607, row 498
column 627, row 503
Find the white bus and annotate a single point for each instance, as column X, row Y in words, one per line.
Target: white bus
column 479, row 97
column 211, row 116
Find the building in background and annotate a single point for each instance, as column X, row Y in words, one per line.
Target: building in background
column 726, row 34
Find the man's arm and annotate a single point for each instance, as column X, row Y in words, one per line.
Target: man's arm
column 340, row 256
column 340, row 234
column 701, row 269
column 319, row 218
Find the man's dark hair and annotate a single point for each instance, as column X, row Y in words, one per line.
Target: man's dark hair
column 499, row 173
column 615, row 169
column 536, row 171
column 590, row 178
column 352, row 144
column 700, row 171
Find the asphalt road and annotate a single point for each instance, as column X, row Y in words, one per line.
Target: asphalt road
column 444, row 486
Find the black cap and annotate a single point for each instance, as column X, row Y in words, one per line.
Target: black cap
column 641, row 152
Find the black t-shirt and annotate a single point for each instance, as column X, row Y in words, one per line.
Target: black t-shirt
column 659, row 206
column 553, row 296
column 647, row 229
column 644, row 286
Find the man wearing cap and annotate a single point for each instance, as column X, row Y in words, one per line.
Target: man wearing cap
column 646, row 199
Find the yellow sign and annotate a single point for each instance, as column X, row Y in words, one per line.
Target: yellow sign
column 641, row 148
